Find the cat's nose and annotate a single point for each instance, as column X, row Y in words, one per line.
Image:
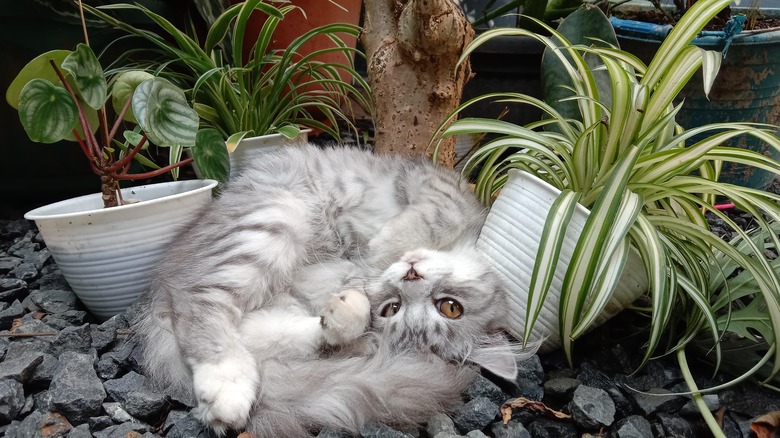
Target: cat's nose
column 412, row 275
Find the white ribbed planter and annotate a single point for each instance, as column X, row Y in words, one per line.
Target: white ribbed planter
column 510, row 240
column 252, row 147
column 107, row 254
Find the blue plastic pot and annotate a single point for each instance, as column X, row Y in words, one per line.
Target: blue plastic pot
column 747, row 88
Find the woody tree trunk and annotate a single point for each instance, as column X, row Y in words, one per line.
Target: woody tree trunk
column 412, row 47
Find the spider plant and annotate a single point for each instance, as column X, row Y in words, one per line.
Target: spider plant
column 266, row 92
column 647, row 184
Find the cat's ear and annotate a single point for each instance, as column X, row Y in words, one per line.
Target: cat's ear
column 497, row 356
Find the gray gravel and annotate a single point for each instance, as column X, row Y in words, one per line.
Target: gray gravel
column 64, row 374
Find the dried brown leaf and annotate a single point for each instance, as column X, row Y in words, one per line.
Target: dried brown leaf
column 16, row 324
column 39, row 315
column 534, row 406
column 766, row 426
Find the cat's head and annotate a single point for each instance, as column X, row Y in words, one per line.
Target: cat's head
column 450, row 303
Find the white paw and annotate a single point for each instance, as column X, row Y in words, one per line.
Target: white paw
column 345, row 317
column 226, row 391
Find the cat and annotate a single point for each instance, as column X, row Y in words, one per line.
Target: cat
column 326, row 287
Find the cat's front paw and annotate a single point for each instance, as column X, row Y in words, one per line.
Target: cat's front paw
column 345, row 317
column 226, row 391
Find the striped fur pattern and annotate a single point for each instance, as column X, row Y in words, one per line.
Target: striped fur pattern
column 310, row 293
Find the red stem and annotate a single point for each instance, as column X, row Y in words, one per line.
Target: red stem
column 85, row 149
column 125, row 161
column 160, row 171
column 90, row 139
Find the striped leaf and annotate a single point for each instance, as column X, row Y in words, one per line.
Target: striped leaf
column 48, row 113
column 164, row 113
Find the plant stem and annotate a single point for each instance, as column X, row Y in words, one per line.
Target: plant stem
column 125, row 161
column 160, row 171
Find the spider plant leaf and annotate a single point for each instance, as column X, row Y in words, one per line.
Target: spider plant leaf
column 88, row 76
column 550, row 243
column 164, row 114
column 580, row 275
column 289, row 131
column 48, row 113
column 233, row 141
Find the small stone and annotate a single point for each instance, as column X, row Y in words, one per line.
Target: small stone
column 475, row 414
column 633, row 426
column 560, row 388
column 377, row 430
column 137, row 397
column 711, row 400
column 546, row 428
column 80, row 431
column 181, row 424
column 440, row 423
column 38, row 329
column 29, row 426
column 117, row 413
column 76, row 339
column 24, row 271
column 11, row 399
column 529, row 389
column 76, row 390
column 447, row 435
column 101, row 422
column 476, row 434
column 53, row 280
column 7, row 316
column 592, row 408
column 8, row 263
column 20, row 367
column 591, row 376
column 38, row 258
column 12, row 289
column 675, row 426
column 481, row 386
column 513, row 429
column 104, row 335
column 23, row 248
column 54, row 301
column 124, row 430
column 45, row 371
column 531, row 369
column 656, row 400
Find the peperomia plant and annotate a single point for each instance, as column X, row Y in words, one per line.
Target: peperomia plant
column 64, row 95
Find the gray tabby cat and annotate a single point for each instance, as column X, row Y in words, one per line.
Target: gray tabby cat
column 326, row 288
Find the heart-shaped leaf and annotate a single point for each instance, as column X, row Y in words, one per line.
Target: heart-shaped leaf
column 90, row 81
column 39, row 67
column 162, row 111
column 211, row 155
column 47, row 112
column 123, row 89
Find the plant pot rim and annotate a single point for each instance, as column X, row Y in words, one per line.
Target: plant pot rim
column 708, row 39
column 54, row 210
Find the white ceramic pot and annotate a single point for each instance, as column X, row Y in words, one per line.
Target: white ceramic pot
column 252, row 147
column 510, row 240
column 107, row 254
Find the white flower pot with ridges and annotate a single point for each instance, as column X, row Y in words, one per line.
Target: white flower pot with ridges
column 510, row 240
column 107, row 254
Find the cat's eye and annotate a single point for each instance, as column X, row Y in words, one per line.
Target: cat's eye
column 449, row 308
column 390, row 309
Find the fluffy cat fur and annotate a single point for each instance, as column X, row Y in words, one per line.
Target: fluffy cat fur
column 326, row 287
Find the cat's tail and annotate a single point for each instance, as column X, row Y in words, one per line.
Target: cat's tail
column 298, row 398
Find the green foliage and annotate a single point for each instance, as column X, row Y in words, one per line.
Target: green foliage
column 62, row 95
column 646, row 183
column 271, row 91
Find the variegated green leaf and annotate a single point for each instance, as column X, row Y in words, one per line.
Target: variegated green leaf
column 164, row 114
column 88, row 75
column 122, row 91
column 47, row 112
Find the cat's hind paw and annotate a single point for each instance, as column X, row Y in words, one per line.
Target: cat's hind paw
column 345, row 317
column 226, row 391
